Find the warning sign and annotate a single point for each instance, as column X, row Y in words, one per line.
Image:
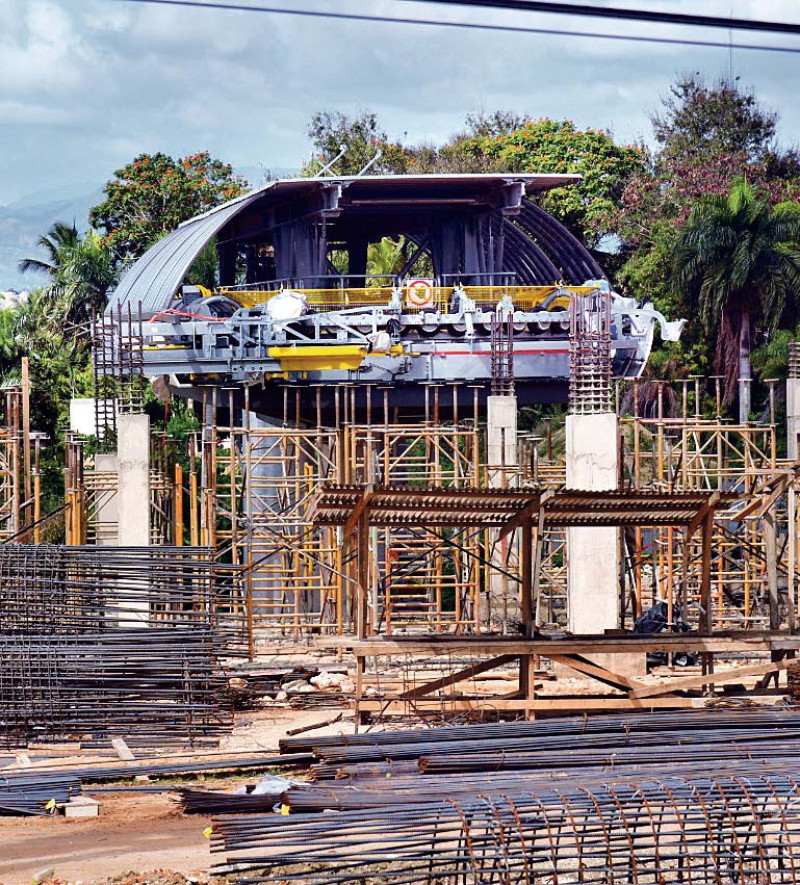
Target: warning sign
column 419, row 294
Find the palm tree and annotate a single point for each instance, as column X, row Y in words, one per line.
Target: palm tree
column 81, row 271
column 737, row 262
column 57, row 242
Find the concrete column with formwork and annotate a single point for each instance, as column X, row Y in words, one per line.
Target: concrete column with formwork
column 793, row 401
column 133, row 506
column 501, row 604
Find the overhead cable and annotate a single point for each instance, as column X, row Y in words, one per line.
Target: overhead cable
column 509, row 29
column 639, row 15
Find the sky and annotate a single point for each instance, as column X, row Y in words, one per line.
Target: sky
column 85, row 85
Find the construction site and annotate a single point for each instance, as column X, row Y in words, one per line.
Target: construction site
column 382, row 582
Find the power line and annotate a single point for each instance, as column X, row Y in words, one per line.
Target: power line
column 508, row 29
column 638, row 15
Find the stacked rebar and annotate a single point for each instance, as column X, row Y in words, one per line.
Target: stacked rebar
column 58, row 589
column 716, row 829
column 148, row 685
column 33, row 792
column 695, row 797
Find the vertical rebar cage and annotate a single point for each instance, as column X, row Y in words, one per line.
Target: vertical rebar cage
column 590, row 353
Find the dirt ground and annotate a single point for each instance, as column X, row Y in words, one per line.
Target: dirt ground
column 139, row 831
column 133, row 832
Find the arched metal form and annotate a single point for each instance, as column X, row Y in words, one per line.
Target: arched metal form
column 484, row 226
column 742, row 830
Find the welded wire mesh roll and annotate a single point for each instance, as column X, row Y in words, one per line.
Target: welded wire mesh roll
column 708, row 830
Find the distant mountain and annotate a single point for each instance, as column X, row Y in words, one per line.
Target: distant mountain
column 25, row 220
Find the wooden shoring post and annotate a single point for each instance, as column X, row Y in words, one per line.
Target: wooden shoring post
column 670, row 574
column 26, row 434
column 707, row 529
column 526, row 663
column 771, row 555
column 791, row 547
column 194, row 522
column 177, row 532
column 536, row 589
column 248, row 493
column 526, row 576
column 37, row 493
column 363, row 577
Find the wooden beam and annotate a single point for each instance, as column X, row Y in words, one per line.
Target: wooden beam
column 352, row 521
column 687, row 682
column 601, row 674
column 458, row 676
column 540, row 705
column 362, row 583
column 771, row 553
column 702, row 513
column 705, row 573
column 527, row 513
column 719, row 643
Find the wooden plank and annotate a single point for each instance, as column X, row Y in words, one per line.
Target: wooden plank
column 601, row 674
column 687, row 682
column 458, row 676
column 717, row 644
column 703, row 513
column 563, row 705
column 352, row 521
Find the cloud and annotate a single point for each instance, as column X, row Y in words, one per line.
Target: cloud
column 87, row 84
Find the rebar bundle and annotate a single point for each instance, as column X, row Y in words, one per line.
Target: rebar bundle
column 717, row 829
column 36, row 792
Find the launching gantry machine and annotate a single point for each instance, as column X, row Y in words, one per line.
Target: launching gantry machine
column 483, row 268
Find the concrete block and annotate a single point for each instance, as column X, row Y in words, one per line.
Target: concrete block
column 82, row 806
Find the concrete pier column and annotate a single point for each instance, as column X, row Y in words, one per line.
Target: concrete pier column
column 133, row 503
column 501, row 604
column 792, row 417
column 793, row 401
column 592, row 553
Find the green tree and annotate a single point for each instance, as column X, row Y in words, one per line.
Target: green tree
column 698, row 119
column 386, row 257
column 360, row 138
column 737, row 262
column 707, row 137
column 588, row 207
column 154, row 193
